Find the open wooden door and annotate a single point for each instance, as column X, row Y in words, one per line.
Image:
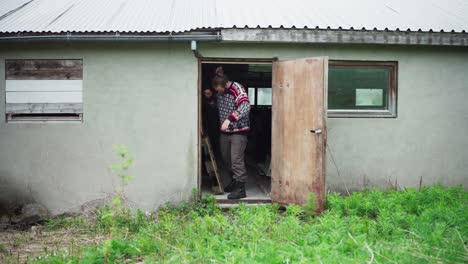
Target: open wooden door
column 299, row 130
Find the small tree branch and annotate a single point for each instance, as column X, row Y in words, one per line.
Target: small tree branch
column 371, row 252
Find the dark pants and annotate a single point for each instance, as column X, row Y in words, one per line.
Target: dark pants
column 232, row 151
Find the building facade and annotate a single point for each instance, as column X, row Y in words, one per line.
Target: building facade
column 144, row 95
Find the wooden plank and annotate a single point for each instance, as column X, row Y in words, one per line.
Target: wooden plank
column 50, row 108
column 232, row 60
column 199, row 128
column 44, row 97
column 206, row 141
column 345, row 36
column 299, row 106
column 44, row 69
column 44, row 85
column 226, row 203
column 321, row 199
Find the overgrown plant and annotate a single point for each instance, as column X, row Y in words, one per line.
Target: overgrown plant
column 310, row 208
column 373, row 226
column 121, row 170
column 118, row 210
column 118, row 214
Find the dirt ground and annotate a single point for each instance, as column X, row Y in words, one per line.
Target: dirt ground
column 17, row 246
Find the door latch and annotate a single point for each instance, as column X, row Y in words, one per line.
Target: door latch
column 316, row 131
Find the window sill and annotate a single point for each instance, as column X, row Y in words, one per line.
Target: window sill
column 44, row 118
column 361, row 114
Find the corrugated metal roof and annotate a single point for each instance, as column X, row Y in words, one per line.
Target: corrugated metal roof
column 185, row 15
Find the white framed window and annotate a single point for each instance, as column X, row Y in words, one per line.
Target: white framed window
column 362, row 89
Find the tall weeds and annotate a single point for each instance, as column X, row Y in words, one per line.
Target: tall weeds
column 424, row 226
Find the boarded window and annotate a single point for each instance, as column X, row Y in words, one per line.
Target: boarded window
column 362, row 89
column 44, row 90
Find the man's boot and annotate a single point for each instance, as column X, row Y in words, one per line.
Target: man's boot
column 239, row 192
column 231, row 186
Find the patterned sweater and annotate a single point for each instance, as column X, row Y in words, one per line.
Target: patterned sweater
column 234, row 105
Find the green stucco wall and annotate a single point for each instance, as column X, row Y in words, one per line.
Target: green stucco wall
column 144, row 96
column 140, row 95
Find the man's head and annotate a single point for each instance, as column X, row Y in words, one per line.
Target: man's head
column 219, row 80
column 208, row 93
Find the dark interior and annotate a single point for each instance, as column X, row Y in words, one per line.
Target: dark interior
column 256, row 79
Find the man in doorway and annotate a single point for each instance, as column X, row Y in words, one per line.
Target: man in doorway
column 210, row 129
column 234, row 107
column 210, row 118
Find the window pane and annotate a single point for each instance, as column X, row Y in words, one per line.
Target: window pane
column 264, row 96
column 251, row 94
column 358, row 87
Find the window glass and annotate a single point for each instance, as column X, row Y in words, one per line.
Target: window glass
column 358, row 87
column 251, row 94
column 264, row 96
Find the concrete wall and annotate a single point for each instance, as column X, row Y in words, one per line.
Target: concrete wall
column 133, row 95
column 144, row 96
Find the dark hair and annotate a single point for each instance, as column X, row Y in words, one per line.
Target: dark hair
column 220, row 78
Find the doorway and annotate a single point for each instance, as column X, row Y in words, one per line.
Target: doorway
column 285, row 155
column 256, row 78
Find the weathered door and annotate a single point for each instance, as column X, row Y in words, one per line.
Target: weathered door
column 299, row 130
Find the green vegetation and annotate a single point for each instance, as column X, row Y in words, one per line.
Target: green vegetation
column 374, row 226
column 427, row 225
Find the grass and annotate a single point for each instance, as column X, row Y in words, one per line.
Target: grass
column 424, row 226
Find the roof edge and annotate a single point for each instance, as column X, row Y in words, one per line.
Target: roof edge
column 328, row 36
column 108, row 36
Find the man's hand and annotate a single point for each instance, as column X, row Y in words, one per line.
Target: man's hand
column 225, row 125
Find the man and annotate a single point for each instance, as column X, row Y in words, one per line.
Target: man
column 210, row 117
column 234, row 108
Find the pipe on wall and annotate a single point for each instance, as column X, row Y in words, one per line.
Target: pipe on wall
column 112, row 37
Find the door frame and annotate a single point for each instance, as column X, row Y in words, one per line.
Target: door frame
column 215, row 60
